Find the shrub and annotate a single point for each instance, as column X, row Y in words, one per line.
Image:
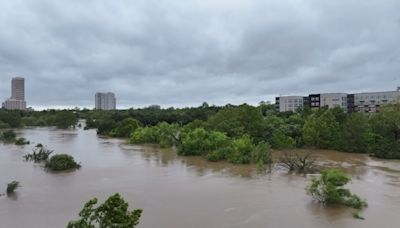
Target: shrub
column 65, row 119
column 104, row 126
column 125, row 128
column 145, row 135
column 262, row 154
column 12, row 186
column 112, row 213
column 8, row 136
column 321, row 129
column 3, row 125
column 281, row 141
column 60, row 162
column 21, row 141
column 219, row 154
column 242, row 149
column 386, row 148
column 328, row 189
column 201, row 142
column 167, row 134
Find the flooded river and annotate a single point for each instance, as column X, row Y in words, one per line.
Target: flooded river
column 184, row 192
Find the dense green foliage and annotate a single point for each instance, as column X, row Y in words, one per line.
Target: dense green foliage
column 200, row 141
column 163, row 133
column 112, row 213
column 321, row 129
column 60, row 162
column 8, row 136
column 262, row 154
column 12, row 186
column 328, row 189
column 145, row 135
column 242, row 150
column 61, row 118
column 386, row 130
column 125, row 128
column 10, row 118
column 216, row 146
column 356, row 134
column 65, row 119
column 377, row 134
column 238, row 121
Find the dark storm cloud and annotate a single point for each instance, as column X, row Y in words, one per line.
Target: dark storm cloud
column 181, row 52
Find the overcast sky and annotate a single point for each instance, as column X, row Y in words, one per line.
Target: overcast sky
column 184, row 52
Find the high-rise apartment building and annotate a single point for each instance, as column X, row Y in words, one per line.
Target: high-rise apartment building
column 105, row 101
column 17, row 99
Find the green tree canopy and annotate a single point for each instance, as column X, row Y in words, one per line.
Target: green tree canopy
column 65, row 119
column 112, row 213
column 321, row 129
column 125, row 128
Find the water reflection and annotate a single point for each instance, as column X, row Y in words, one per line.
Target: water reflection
column 13, row 196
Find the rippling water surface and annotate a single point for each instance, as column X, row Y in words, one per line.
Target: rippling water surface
column 183, row 192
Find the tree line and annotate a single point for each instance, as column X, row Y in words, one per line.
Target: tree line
column 217, row 132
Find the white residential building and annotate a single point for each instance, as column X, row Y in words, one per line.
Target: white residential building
column 289, row 103
column 105, row 101
column 333, row 100
column 359, row 102
column 17, row 99
column 12, row 104
column 371, row 102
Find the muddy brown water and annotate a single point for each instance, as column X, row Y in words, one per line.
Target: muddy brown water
column 184, row 192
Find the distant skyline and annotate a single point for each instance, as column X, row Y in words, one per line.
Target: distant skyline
column 181, row 53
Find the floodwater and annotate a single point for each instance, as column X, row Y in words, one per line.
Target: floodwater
column 184, row 192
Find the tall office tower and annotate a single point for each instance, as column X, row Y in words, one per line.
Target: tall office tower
column 17, row 99
column 18, row 88
column 105, row 101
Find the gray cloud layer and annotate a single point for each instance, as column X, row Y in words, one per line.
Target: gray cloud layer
column 180, row 52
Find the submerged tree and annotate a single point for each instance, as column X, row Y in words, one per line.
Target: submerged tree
column 60, row 162
column 242, row 150
column 8, row 136
column 125, row 128
column 21, row 141
column 262, row 154
column 12, row 186
column 301, row 163
column 328, row 189
column 112, row 213
column 40, row 153
column 65, row 119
